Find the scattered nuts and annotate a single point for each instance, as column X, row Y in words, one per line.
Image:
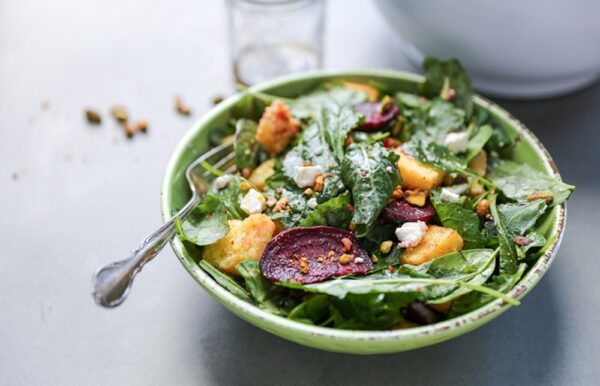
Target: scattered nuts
column 398, row 193
column 245, row 186
column 281, row 205
column 141, row 125
column 522, row 240
column 346, row 258
column 374, row 258
column 546, row 196
column 181, row 108
column 346, row 244
column 304, row 265
column 217, row 99
column 483, row 208
column 129, row 128
column 308, row 192
column 119, row 113
column 93, row 116
column 319, row 183
column 386, row 247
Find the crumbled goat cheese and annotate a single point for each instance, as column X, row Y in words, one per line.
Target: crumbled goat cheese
column 312, row 203
column 222, row 181
column 359, row 260
column 305, row 175
column 253, row 202
column 448, row 195
column 456, row 142
column 410, row 234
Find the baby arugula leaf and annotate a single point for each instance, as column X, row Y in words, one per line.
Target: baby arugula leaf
column 333, row 212
column 245, row 146
column 371, row 174
column 464, row 221
column 441, row 76
column 508, row 251
column 478, row 141
column 225, row 281
column 474, row 300
column 518, row 181
column 262, row 291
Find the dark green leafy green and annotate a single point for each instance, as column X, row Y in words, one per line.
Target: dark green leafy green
column 312, row 311
column 474, row 300
column 508, row 251
column 478, row 141
column 519, row 218
column 536, row 240
column 337, row 122
column 310, row 105
column 464, row 221
column 333, row 212
column 371, row 174
column 263, row 292
column 440, row 76
column 518, row 181
column 313, row 148
column 435, row 155
column 245, row 146
column 206, row 224
column 225, row 281
column 230, row 197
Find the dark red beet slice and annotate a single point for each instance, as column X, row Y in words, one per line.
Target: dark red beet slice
column 312, row 254
column 400, row 211
column 374, row 118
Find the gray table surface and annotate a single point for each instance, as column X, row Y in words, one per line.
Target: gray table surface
column 73, row 197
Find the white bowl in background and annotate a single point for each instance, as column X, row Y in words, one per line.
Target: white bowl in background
column 510, row 48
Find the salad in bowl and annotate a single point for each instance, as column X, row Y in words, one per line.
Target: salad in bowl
column 358, row 205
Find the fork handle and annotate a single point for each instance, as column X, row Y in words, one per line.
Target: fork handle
column 111, row 283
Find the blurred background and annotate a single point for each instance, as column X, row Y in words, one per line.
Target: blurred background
column 75, row 195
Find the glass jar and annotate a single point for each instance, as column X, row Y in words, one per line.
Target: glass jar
column 270, row 38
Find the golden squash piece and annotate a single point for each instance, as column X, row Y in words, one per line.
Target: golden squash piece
column 372, row 92
column 416, row 175
column 479, row 163
column 276, row 128
column 438, row 241
column 261, row 173
column 416, row 197
column 245, row 240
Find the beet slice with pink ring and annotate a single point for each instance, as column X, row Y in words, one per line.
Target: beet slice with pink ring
column 313, row 254
column 400, row 211
column 375, row 119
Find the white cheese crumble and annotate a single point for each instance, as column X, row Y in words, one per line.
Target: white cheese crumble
column 253, row 202
column 457, row 142
column 359, row 260
column 312, row 203
column 448, row 195
column 410, row 234
column 458, row 189
column 305, row 175
column 221, row 182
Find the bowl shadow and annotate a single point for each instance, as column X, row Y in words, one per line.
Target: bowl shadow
column 520, row 347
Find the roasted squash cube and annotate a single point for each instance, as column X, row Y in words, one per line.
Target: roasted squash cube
column 261, row 173
column 416, row 175
column 438, row 241
column 245, row 240
column 372, row 93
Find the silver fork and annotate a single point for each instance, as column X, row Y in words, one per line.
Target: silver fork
column 111, row 283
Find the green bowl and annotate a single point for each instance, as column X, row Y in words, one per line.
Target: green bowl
column 175, row 193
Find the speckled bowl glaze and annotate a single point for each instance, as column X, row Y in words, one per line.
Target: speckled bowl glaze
column 175, row 193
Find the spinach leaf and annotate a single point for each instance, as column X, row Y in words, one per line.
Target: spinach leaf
column 310, row 105
column 225, row 281
column 313, row 148
column 500, row 142
column 441, row 75
column 377, row 234
column 333, row 212
column 508, row 252
column 442, row 118
column 371, row 174
column 472, row 266
column 206, row 224
column 464, row 221
column 230, row 197
column 518, row 181
column 519, row 218
column 337, row 122
column 262, row 291
column 435, row 155
column 371, row 311
column 478, row 141
column 474, row 300
column 245, row 146
column 312, row 311
column 536, row 241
